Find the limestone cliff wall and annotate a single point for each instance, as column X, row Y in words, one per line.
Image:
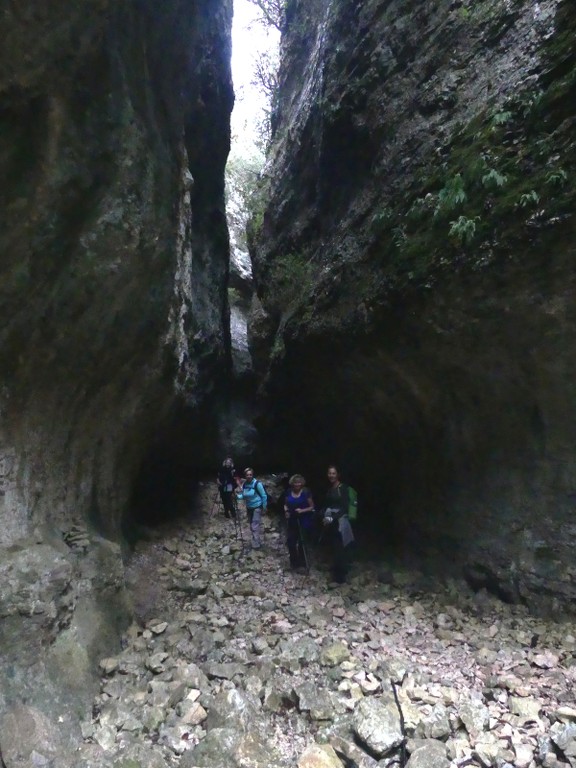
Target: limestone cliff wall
column 416, row 299
column 114, row 134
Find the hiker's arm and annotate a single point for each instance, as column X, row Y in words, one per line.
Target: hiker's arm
column 329, row 515
column 310, row 506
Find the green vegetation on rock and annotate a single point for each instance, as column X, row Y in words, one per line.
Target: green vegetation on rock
column 508, row 169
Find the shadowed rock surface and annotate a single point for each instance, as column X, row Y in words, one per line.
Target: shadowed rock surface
column 414, row 321
column 413, row 264
column 114, row 132
column 235, row 660
column 113, row 282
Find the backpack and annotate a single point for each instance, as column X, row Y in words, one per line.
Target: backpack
column 260, row 490
column 255, row 488
column 353, row 503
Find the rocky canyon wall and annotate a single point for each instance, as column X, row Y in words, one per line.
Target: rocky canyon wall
column 114, row 133
column 114, row 242
column 412, row 256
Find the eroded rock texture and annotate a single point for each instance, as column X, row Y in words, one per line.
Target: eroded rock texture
column 414, row 273
column 113, row 138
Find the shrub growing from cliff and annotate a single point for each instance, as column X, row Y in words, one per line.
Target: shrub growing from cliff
column 242, row 174
column 288, row 280
column 511, row 167
column 256, row 201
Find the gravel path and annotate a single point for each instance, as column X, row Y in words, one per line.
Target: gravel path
column 223, row 631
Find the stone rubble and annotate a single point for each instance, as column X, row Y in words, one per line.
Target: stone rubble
column 242, row 662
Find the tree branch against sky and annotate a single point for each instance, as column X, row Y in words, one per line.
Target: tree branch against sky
column 255, row 43
column 271, row 12
column 265, row 76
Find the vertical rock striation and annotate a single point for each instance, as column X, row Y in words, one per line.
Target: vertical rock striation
column 114, row 133
column 413, row 265
column 114, row 137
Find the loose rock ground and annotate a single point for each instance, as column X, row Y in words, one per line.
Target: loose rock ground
column 237, row 661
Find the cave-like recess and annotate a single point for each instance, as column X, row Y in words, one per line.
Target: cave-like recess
column 414, row 319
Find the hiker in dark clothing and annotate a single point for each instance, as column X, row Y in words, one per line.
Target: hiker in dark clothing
column 337, row 524
column 299, row 509
column 226, row 483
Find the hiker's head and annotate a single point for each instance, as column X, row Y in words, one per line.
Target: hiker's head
column 333, row 474
column 248, row 473
column 297, row 481
column 228, row 462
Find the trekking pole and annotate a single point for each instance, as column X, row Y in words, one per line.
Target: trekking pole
column 238, row 524
column 281, row 530
column 215, row 503
column 236, row 514
column 304, row 551
column 234, row 507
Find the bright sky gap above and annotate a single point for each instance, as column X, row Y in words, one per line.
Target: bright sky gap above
column 249, row 38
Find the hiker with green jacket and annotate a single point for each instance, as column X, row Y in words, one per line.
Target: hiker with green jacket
column 337, row 524
column 252, row 491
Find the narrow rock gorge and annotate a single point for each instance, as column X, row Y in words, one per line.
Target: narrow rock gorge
column 409, row 250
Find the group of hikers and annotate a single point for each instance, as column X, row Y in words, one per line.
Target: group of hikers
column 303, row 519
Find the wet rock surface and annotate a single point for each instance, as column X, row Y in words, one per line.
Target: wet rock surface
column 257, row 665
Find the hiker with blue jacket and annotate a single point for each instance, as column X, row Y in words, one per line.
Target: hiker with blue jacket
column 337, row 525
column 252, row 491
